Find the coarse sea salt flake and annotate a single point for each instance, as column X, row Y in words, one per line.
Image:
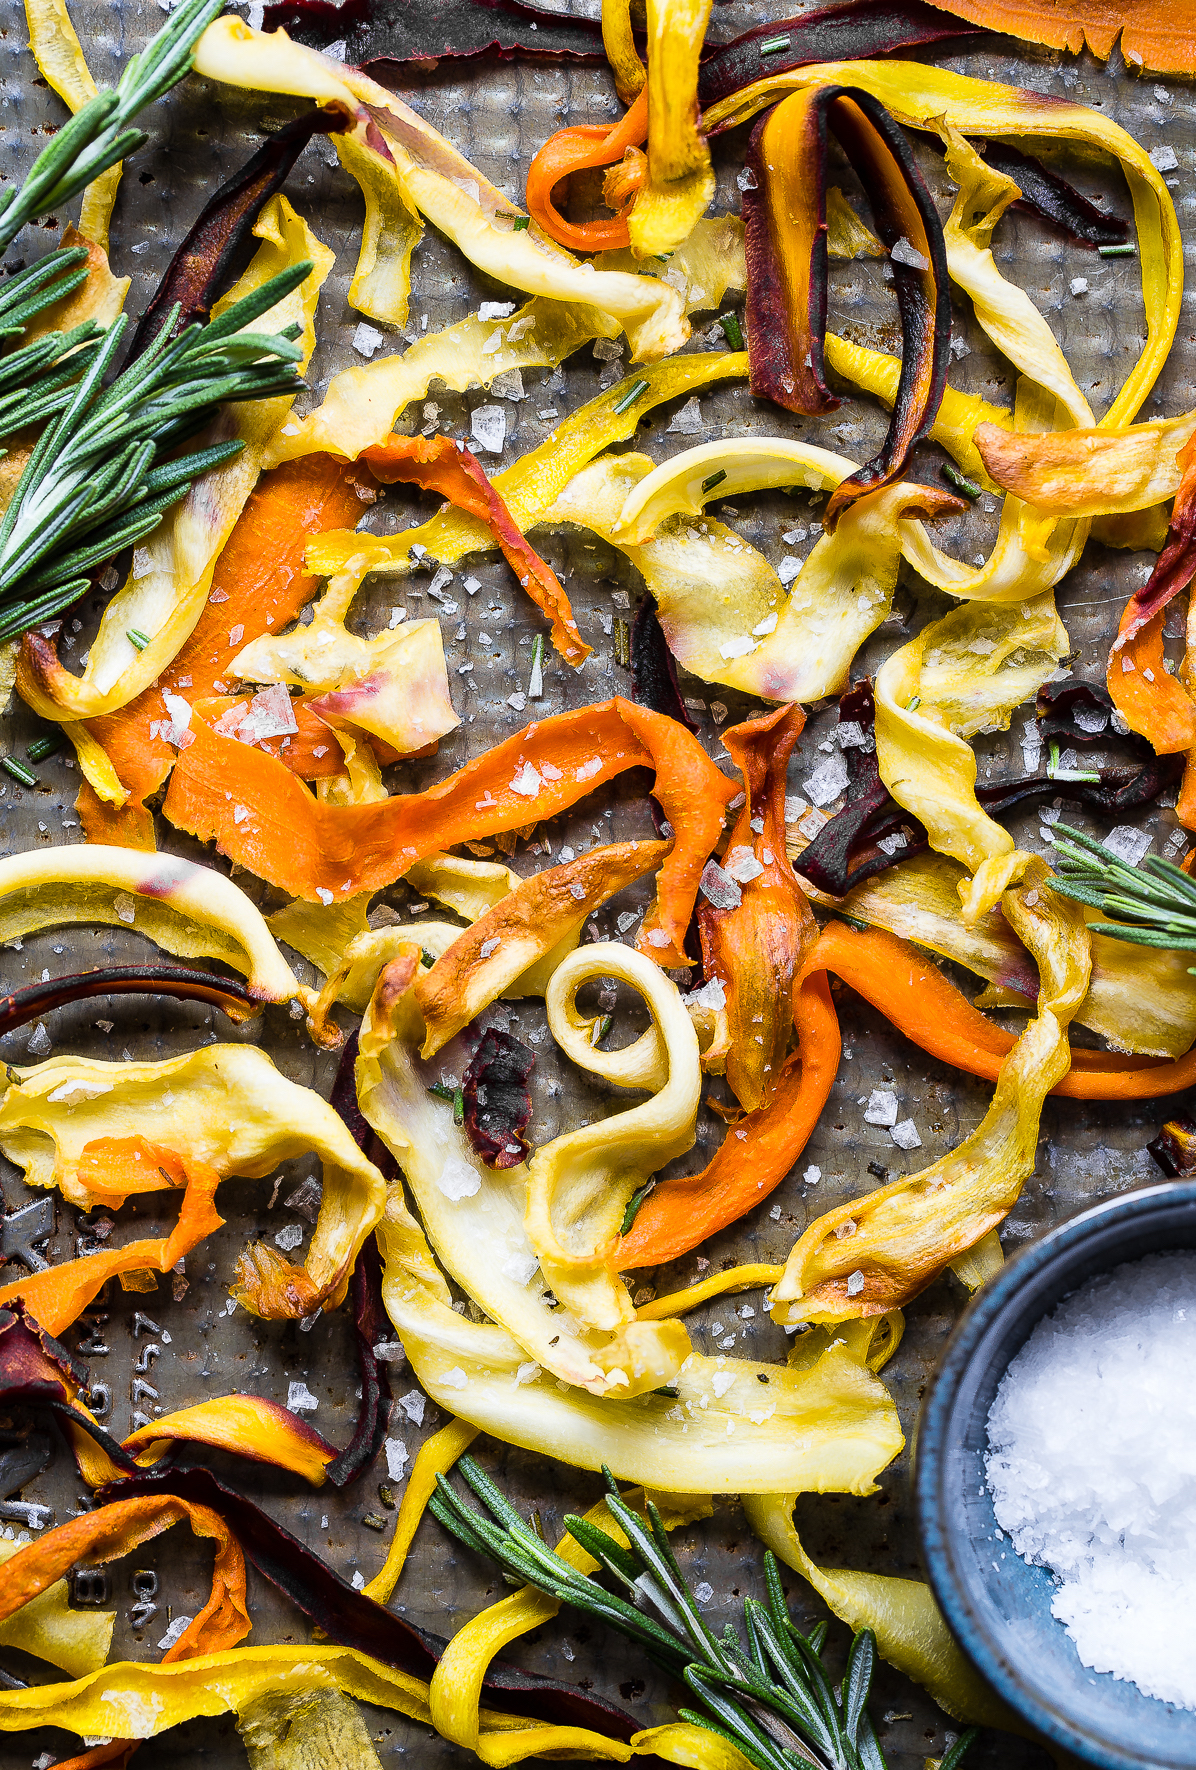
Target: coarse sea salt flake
column 881, row 1108
column 458, row 1179
column 1091, row 1470
column 1127, row 843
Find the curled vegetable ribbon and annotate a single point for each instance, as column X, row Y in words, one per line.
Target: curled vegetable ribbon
column 475, row 1213
column 756, row 951
column 579, row 150
column 913, row 994
column 335, row 852
column 902, row 1235
column 785, row 215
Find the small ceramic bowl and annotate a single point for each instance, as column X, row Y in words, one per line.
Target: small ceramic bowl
column 999, row 1610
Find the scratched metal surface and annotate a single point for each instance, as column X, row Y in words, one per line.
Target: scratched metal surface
column 499, row 118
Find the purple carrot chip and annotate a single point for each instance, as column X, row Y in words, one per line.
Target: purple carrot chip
column 36, row 999
column 1053, row 198
column 349, row 1619
column 857, row 32
column 653, row 672
column 209, row 258
column 497, row 1103
column 397, row 42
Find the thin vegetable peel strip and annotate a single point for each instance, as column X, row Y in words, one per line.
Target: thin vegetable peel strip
column 924, row 758
column 579, row 1185
column 834, row 1424
column 258, row 578
column 188, row 909
column 292, row 841
column 680, row 181
column 74, row 1641
column 225, row 1106
column 529, row 486
column 474, row 1214
column 435, row 180
column 922, row 97
column 910, row 1230
column 910, row 1631
column 785, row 214
column 529, row 924
column 131, row 1698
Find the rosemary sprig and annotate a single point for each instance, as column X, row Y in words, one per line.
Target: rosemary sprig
column 97, row 482
column 772, row 1699
column 99, row 134
column 1150, row 905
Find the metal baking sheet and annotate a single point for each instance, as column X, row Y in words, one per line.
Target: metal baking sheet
column 499, row 116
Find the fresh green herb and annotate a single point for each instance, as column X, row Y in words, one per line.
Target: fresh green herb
column 458, row 1106
column 773, row 1699
column 535, row 681
column 912, row 706
column 427, row 957
column 633, row 1206
column 1150, row 905
column 443, row 1090
column 1055, row 773
column 97, row 481
column 136, row 637
column 665, row 1389
column 99, row 135
column 630, row 397
column 520, row 223
column 42, row 747
column 960, row 481
column 599, row 1029
column 18, row 771
column 1126, row 251
column 774, row 45
column 716, row 479
column 663, row 257
column 731, row 330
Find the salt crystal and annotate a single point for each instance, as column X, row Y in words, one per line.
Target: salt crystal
column 688, row 421
column 1127, row 843
column 849, row 735
column 893, row 844
column 125, row 906
column 527, row 781
column 396, row 1458
column 763, row 628
column 520, row 1267
column 881, row 1108
column 789, row 568
column 366, row 339
column 527, row 1373
column 289, row 1237
column 300, row 1399
column 905, row 1135
column 39, row 1044
column 496, row 310
column 1091, row 719
column 491, row 946
column 746, row 180
column 488, row 427
column 454, row 1379
column 1079, row 285
column 904, row 253
column 458, row 1179
column 324, row 895
column 176, row 1628
column 855, row 1283
column 719, row 888
column 712, row 994
column 742, row 866
column 721, row 1382
column 812, row 1176
column 1091, row 1470
column 1164, row 158
column 736, row 648
column 508, row 385
column 828, row 780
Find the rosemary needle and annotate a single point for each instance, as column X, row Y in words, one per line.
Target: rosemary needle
column 773, row 1700
column 1150, row 905
column 96, row 482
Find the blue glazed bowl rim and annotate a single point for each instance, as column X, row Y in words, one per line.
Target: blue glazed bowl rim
column 1061, row 1245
